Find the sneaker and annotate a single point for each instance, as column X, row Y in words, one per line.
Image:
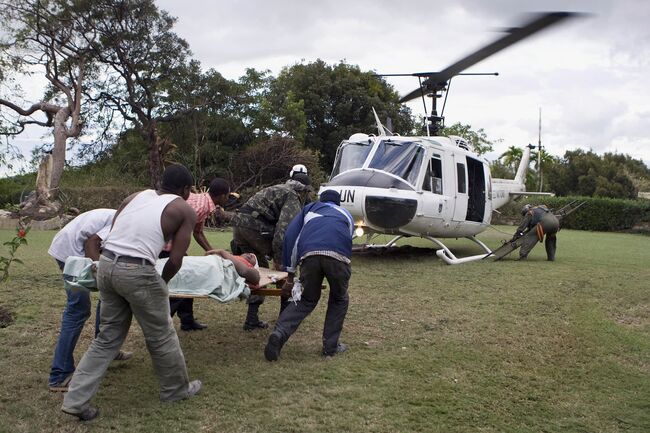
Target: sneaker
column 340, row 348
column 250, row 326
column 87, row 414
column 194, row 326
column 61, row 386
column 194, row 388
column 123, row 356
column 273, row 347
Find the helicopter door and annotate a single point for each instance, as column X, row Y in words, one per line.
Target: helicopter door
column 476, row 190
column 435, row 207
column 460, row 207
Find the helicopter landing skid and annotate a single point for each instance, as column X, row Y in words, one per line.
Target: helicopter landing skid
column 366, row 247
column 445, row 254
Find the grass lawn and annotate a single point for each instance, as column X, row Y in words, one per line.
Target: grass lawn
column 492, row 347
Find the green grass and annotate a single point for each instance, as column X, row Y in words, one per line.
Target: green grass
column 489, row 347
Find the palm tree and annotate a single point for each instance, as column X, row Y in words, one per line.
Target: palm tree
column 511, row 157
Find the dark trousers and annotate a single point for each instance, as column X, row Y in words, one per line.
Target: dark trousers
column 313, row 270
column 246, row 240
column 184, row 308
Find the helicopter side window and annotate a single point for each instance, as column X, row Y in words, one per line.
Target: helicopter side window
column 462, row 182
column 433, row 178
column 349, row 156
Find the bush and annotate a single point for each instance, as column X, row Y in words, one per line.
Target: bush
column 597, row 214
column 268, row 163
column 15, row 188
column 94, row 197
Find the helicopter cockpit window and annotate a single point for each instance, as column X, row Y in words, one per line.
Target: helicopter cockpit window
column 433, row 178
column 350, row 155
column 402, row 159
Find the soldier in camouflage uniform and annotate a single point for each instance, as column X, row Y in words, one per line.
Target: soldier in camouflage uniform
column 259, row 228
column 538, row 222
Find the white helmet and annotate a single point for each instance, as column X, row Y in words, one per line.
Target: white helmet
column 298, row 168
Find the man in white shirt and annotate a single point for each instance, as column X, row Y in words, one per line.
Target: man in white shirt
column 81, row 237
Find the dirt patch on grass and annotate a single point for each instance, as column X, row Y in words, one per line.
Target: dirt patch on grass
column 6, row 316
column 637, row 316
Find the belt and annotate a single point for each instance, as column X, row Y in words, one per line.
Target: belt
column 125, row 259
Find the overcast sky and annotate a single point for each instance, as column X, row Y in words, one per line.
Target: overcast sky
column 588, row 75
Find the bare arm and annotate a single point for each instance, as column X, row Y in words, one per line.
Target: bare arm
column 178, row 220
column 251, row 275
column 92, row 247
column 200, row 238
column 288, row 285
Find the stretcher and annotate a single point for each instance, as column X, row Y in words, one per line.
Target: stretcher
column 270, row 284
column 505, row 249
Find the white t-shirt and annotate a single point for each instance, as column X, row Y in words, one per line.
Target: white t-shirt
column 71, row 238
column 137, row 231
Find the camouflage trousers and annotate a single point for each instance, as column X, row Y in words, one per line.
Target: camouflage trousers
column 246, row 240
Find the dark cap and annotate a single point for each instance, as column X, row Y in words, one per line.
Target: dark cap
column 331, row 196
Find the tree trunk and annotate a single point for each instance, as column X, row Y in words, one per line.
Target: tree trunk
column 155, row 162
column 58, row 151
column 42, row 204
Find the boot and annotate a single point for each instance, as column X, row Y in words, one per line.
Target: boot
column 252, row 319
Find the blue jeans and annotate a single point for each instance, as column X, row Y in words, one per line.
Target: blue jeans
column 77, row 311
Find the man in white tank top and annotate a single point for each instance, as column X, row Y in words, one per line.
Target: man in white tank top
column 130, row 286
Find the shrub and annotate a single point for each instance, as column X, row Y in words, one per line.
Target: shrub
column 94, row 197
column 15, row 188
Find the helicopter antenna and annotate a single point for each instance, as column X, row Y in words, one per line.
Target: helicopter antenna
column 539, row 150
column 381, row 128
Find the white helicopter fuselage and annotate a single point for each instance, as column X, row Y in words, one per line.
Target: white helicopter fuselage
column 419, row 186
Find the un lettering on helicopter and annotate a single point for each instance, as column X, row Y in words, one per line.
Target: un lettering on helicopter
column 428, row 186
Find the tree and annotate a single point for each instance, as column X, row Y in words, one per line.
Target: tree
column 142, row 56
column 208, row 126
column 325, row 104
column 269, row 161
column 477, row 139
column 53, row 37
column 511, row 157
column 588, row 174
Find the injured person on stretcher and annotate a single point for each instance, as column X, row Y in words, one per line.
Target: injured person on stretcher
column 219, row 275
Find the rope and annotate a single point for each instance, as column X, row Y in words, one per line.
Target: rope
column 496, row 229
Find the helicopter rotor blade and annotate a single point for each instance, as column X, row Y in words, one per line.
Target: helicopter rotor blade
column 538, row 22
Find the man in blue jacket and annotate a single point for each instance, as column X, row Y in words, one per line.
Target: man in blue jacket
column 319, row 239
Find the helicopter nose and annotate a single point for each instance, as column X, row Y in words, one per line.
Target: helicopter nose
column 389, row 212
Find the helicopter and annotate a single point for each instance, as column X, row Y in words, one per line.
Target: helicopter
column 428, row 186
